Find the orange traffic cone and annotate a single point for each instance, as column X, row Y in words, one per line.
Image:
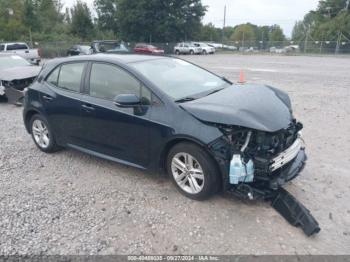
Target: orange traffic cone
column 241, row 77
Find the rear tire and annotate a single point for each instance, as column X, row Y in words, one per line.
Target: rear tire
column 177, row 52
column 191, row 52
column 42, row 134
column 193, row 171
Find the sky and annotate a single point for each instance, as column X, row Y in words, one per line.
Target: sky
column 259, row 12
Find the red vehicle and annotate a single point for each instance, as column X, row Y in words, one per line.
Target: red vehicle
column 148, row 49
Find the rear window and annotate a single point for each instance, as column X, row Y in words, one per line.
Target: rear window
column 70, row 76
column 67, row 76
column 17, row 47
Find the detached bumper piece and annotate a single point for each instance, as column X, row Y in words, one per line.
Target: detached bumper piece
column 14, row 96
column 295, row 212
column 284, row 203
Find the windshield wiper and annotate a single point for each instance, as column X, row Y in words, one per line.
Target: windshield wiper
column 185, row 99
column 215, row 91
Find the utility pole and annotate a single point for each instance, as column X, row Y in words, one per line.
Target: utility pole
column 223, row 28
column 321, row 43
column 306, row 39
column 243, row 41
column 338, row 42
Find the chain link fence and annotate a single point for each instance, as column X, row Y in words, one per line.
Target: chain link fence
column 60, row 49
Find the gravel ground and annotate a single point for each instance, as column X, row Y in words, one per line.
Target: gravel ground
column 72, row 203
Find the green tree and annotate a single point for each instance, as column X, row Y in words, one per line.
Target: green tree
column 276, row 34
column 160, row 21
column 11, row 20
column 107, row 15
column 49, row 13
column 210, row 33
column 331, row 18
column 244, row 33
column 81, row 22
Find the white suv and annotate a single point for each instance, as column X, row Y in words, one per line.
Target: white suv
column 206, row 49
column 187, row 48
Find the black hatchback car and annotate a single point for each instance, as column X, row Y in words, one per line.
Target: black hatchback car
column 163, row 113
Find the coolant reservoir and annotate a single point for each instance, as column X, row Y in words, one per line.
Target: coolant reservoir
column 239, row 171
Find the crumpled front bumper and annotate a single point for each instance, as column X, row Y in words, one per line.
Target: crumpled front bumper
column 14, row 96
column 288, row 174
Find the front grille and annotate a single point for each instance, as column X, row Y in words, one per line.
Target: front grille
column 286, row 156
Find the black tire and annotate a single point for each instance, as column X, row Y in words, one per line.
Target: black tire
column 177, row 52
column 210, row 172
column 3, row 99
column 52, row 146
column 191, row 52
column 204, row 52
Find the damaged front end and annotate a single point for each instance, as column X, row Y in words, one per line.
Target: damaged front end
column 256, row 164
column 14, row 90
column 258, row 158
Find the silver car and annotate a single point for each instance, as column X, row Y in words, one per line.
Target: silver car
column 16, row 74
column 187, row 48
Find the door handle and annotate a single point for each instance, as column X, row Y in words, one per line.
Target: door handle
column 88, row 108
column 47, row 98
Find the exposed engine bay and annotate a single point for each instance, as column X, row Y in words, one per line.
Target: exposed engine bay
column 259, row 163
column 14, row 89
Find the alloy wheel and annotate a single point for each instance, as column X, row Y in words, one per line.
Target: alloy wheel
column 41, row 133
column 187, row 173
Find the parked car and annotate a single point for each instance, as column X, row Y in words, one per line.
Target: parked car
column 148, row 49
column 215, row 45
column 22, row 50
column 109, row 46
column 206, row 49
column 277, row 50
column 79, row 50
column 16, row 74
column 230, row 47
column 205, row 132
column 187, row 48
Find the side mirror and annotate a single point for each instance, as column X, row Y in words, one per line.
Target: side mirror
column 127, row 100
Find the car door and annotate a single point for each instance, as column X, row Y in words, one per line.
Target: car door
column 115, row 132
column 186, row 49
column 61, row 100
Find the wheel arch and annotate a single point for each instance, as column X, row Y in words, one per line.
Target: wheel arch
column 28, row 116
column 171, row 143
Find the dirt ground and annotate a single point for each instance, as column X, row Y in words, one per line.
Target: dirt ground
column 72, row 203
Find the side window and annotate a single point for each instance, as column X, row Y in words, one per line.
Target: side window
column 107, row 81
column 11, row 47
column 53, row 77
column 21, row 47
column 70, row 76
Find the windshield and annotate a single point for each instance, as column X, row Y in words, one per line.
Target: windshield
column 179, row 79
column 12, row 61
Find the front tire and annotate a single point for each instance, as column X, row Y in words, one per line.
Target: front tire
column 193, row 171
column 42, row 134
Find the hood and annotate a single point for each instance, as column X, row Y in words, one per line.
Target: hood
column 258, row 107
column 17, row 73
